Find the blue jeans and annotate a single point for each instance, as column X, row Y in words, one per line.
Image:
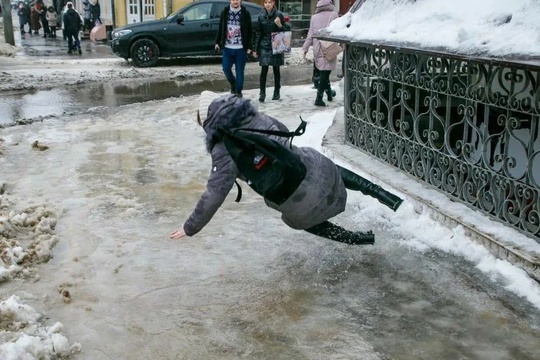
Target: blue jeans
column 73, row 37
column 237, row 57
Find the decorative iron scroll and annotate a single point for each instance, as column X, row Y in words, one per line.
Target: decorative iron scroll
column 468, row 127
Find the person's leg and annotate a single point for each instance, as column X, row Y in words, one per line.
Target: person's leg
column 70, row 42
column 78, row 43
column 315, row 77
column 226, row 64
column 339, row 234
column 323, row 84
column 355, row 182
column 262, row 83
column 239, row 65
column 277, row 82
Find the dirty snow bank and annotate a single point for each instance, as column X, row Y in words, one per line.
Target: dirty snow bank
column 23, row 335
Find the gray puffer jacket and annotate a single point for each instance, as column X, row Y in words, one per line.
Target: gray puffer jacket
column 319, row 197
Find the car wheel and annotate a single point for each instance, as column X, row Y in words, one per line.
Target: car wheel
column 144, row 52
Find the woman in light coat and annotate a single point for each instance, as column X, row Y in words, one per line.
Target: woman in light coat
column 324, row 14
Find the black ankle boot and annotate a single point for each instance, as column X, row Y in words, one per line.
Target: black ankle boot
column 233, row 88
column 262, row 95
column 319, row 101
column 355, row 182
column 276, row 94
column 339, row 234
column 330, row 94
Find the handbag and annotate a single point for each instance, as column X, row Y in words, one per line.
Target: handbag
column 330, row 49
column 281, row 42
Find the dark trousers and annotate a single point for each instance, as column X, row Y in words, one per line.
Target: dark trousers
column 22, row 21
column 73, row 40
column 45, row 25
column 238, row 58
column 316, row 76
column 264, row 74
column 324, row 81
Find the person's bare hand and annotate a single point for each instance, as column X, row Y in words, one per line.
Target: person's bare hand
column 216, row 47
column 178, row 233
column 278, row 21
column 254, row 54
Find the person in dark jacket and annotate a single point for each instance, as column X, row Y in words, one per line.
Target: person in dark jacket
column 72, row 25
column 321, row 195
column 24, row 16
column 234, row 37
column 269, row 21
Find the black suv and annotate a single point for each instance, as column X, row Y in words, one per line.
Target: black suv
column 190, row 31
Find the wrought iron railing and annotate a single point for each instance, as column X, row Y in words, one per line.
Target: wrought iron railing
column 464, row 125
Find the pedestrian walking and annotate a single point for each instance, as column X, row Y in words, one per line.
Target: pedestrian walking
column 86, row 15
column 270, row 21
column 234, row 38
column 320, row 196
column 52, row 19
column 24, row 17
column 324, row 14
column 34, row 19
column 43, row 18
column 72, row 25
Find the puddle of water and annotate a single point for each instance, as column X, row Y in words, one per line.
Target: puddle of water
column 19, row 105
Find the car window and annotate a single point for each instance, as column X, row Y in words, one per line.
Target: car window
column 253, row 10
column 198, row 12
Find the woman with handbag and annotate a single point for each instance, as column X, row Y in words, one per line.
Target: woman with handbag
column 324, row 14
column 270, row 20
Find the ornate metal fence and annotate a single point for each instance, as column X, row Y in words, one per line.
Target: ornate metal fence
column 466, row 126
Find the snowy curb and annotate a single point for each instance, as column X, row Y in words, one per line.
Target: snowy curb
column 501, row 241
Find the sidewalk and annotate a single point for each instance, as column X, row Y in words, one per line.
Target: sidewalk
column 35, row 45
column 502, row 241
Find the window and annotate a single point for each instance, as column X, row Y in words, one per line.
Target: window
column 198, row 12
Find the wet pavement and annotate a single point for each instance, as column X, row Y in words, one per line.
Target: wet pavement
column 28, row 105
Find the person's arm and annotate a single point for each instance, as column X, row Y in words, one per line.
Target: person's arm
column 309, row 39
column 258, row 37
column 219, row 36
column 249, row 32
column 219, row 185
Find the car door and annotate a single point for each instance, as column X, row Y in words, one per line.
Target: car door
column 193, row 34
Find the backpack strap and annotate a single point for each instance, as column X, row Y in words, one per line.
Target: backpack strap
column 290, row 134
column 239, row 196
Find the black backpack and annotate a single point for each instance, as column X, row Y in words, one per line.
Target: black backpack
column 271, row 169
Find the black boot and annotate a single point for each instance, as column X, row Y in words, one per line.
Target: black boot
column 262, row 87
column 319, row 101
column 233, row 88
column 276, row 94
column 330, row 94
column 339, row 234
column 354, row 181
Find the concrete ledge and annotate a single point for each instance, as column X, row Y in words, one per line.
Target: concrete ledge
column 502, row 241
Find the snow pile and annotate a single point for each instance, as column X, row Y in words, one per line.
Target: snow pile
column 485, row 27
column 24, row 336
column 26, row 238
